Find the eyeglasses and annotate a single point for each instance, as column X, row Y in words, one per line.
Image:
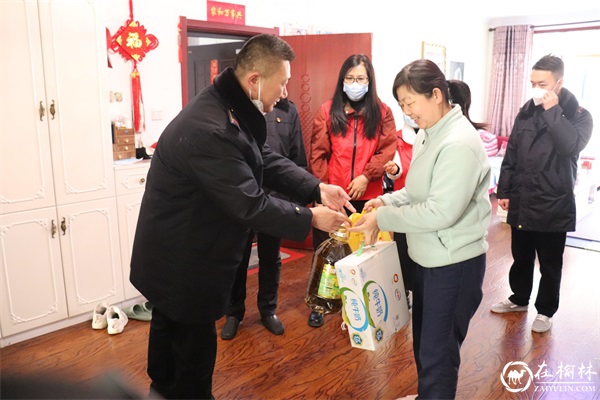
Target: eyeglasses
column 360, row 79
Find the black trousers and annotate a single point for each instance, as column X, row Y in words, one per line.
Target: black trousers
column 406, row 263
column 444, row 301
column 550, row 247
column 269, row 271
column 181, row 358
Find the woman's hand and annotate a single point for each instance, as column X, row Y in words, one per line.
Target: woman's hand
column 367, row 225
column 358, row 187
column 391, row 168
column 372, row 204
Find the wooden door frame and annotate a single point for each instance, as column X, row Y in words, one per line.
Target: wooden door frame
column 191, row 25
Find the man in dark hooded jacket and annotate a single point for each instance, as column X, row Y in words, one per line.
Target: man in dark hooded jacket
column 536, row 184
column 204, row 193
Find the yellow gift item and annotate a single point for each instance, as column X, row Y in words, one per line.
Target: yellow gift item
column 357, row 237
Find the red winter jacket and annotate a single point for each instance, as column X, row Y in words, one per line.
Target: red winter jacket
column 405, row 153
column 337, row 159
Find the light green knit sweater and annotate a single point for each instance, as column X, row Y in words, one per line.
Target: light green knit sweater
column 444, row 208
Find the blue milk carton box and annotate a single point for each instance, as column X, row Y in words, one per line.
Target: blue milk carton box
column 373, row 295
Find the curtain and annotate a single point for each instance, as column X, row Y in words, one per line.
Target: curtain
column 511, row 58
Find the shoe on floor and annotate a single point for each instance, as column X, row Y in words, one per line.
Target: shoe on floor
column 138, row 312
column 230, row 328
column 315, row 319
column 147, row 306
column 507, row 306
column 99, row 317
column 117, row 320
column 541, row 324
column 273, row 324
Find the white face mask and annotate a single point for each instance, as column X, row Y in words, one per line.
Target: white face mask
column 259, row 104
column 537, row 93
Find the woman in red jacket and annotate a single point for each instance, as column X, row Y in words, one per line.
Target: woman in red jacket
column 354, row 135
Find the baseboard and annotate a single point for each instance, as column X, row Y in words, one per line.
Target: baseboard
column 55, row 326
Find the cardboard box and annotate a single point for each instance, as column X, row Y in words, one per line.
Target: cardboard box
column 373, row 295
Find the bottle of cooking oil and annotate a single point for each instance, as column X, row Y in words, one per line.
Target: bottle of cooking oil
column 323, row 292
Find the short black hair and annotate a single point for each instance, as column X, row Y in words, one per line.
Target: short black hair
column 551, row 63
column 262, row 53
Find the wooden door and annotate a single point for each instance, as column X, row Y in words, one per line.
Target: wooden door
column 316, row 69
column 199, row 63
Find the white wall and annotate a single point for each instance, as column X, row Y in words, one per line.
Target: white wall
column 398, row 31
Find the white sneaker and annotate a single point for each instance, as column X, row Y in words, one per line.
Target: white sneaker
column 541, row 324
column 116, row 320
column 507, row 306
column 99, row 317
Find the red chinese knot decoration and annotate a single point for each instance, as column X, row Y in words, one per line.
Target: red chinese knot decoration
column 132, row 42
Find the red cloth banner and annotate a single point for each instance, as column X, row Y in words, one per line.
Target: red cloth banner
column 228, row 13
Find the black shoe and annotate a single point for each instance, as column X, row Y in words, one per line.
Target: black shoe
column 230, row 328
column 273, row 324
column 142, row 153
column 315, row 319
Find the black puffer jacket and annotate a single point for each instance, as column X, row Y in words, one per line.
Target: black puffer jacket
column 540, row 166
column 204, row 194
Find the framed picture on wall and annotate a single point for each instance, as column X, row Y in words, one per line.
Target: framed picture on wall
column 456, row 70
column 435, row 53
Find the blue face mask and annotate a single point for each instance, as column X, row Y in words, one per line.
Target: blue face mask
column 410, row 122
column 355, row 91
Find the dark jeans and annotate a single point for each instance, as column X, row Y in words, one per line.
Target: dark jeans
column 549, row 247
column 269, row 263
column 181, row 358
column 444, row 301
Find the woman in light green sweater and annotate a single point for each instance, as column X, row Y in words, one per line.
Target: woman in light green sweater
column 444, row 209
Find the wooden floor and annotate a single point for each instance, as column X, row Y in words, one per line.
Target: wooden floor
column 309, row 363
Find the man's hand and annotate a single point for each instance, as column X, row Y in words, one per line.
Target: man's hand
column 549, row 100
column 367, row 225
column 503, row 204
column 335, row 198
column 328, row 220
column 358, row 187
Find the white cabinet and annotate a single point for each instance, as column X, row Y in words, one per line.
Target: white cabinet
column 89, row 239
column 56, row 165
column 130, row 181
column 32, row 292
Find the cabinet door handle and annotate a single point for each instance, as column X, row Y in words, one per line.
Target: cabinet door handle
column 63, row 226
column 142, row 180
column 42, row 111
column 52, row 109
column 53, row 229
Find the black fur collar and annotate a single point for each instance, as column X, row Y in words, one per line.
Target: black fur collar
column 250, row 119
column 566, row 100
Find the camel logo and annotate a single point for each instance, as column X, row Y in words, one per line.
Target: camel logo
column 516, row 376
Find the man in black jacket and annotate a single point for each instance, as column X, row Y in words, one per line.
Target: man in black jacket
column 204, row 193
column 536, row 184
column 284, row 136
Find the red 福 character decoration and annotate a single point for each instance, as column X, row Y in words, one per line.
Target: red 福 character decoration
column 132, row 42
